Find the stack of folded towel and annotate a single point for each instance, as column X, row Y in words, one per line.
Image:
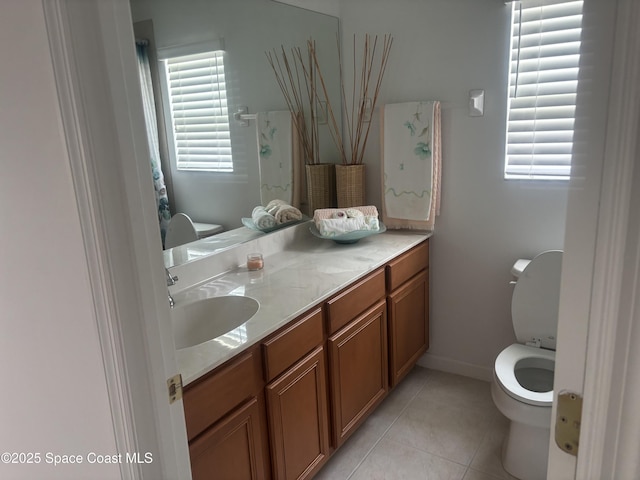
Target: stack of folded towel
column 332, row 222
column 275, row 213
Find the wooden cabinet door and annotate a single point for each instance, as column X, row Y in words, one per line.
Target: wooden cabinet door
column 234, row 448
column 408, row 325
column 298, row 418
column 358, row 370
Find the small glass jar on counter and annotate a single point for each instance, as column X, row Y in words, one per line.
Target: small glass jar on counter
column 255, row 261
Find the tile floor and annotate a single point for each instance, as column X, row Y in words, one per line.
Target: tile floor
column 433, row 426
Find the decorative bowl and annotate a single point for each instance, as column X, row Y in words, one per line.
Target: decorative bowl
column 351, row 237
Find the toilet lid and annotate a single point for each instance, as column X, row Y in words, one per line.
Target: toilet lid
column 536, row 295
column 180, row 231
column 206, row 229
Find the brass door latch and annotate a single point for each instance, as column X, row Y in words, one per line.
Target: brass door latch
column 174, row 385
column 568, row 417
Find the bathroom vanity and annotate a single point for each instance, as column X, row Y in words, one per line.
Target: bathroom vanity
column 337, row 327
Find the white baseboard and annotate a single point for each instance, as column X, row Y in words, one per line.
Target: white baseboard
column 450, row 365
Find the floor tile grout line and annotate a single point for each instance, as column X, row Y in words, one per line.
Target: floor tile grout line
column 484, row 437
column 466, row 467
column 496, row 415
column 423, row 383
column 432, row 453
column 475, row 452
column 386, row 430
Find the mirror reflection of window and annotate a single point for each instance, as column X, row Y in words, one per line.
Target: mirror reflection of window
column 197, row 97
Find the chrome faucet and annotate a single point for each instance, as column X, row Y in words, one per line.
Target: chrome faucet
column 171, row 280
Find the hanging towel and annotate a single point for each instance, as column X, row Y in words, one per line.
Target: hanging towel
column 278, row 154
column 412, row 163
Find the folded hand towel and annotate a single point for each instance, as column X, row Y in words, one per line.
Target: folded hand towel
column 322, row 213
column 287, row 213
column 331, row 227
column 262, row 219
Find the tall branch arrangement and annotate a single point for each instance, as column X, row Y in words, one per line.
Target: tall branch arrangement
column 296, row 78
column 367, row 80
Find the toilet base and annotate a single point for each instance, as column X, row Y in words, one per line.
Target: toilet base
column 525, row 451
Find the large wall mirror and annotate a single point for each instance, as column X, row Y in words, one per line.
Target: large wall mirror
column 247, row 28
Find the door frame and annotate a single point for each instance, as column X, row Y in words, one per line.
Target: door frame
column 98, row 90
column 605, row 358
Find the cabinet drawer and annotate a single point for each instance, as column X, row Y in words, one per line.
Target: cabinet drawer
column 355, row 300
column 407, row 265
column 207, row 401
column 293, row 343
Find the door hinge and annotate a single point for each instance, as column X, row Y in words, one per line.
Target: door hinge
column 569, row 414
column 174, row 385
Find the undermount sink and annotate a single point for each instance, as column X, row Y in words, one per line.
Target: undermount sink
column 198, row 322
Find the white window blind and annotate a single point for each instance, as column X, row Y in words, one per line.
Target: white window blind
column 198, row 105
column 543, row 80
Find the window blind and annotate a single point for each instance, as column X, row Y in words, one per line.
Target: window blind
column 543, row 81
column 198, row 105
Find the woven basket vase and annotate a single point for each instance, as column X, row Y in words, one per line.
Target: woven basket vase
column 321, row 186
column 350, row 182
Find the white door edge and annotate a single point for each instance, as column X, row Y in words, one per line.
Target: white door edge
column 93, row 54
column 610, row 365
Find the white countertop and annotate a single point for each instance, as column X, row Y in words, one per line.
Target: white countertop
column 303, row 274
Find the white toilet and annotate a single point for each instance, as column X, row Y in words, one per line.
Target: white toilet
column 522, row 386
column 183, row 230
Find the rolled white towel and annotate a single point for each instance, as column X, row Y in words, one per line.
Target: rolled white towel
column 332, row 227
column 320, row 213
column 262, row 219
column 286, row 213
column 273, row 205
column 355, row 213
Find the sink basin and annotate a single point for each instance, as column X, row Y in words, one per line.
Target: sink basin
column 197, row 322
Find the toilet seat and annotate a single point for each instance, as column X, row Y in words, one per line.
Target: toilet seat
column 506, row 375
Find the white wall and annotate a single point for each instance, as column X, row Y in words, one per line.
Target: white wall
column 249, row 29
column 54, row 393
column 441, row 50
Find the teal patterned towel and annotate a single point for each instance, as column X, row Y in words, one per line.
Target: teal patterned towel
column 411, row 164
column 276, row 152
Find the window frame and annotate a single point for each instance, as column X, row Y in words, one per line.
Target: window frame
column 524, row 141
